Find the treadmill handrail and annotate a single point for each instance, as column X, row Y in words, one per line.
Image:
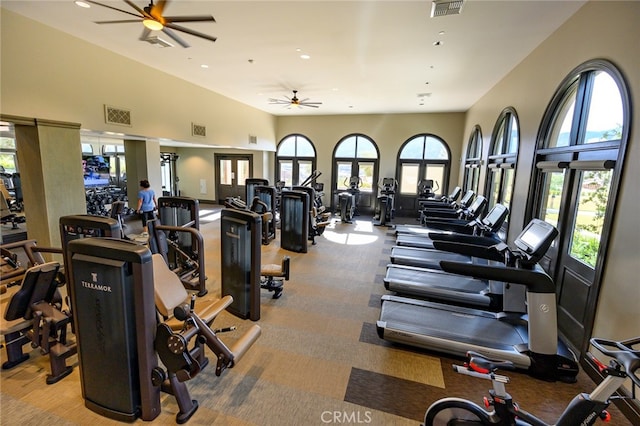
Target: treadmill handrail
column 472, row 250
column 477, row 240
column 451, row 224
column 536, row 280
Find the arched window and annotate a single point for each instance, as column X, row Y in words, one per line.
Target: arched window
column 356, row 155
column 472, row 161
column 423, row 156
column 503, row 156
column 580, row 152
column 295, row 159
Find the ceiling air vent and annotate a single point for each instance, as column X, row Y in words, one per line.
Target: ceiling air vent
column 119, row 116
column 446, row 7
column 253, row 140
column 198, row 130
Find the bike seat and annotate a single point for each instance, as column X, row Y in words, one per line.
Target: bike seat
column 482, row 364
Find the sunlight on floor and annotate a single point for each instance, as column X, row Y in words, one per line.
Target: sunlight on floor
column 209, row 215
column 359, row 235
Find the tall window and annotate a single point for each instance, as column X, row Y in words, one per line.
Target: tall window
column 295, row 159
column 579, row 157
column 503, row 156
column 423, row 157
column 356, row 155
column 472, row 161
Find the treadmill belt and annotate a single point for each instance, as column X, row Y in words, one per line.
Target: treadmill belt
column 450, row 329
column 414, row 241
column 424, row 258
column 398, row 277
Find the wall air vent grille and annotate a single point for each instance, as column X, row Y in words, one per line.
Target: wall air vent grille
column 198, row 130
column 253, row 140
column 446, row 7
column 119, row 116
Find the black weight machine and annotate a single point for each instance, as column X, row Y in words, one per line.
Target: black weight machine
column 385, row 210
column 177, row 237
column 294, row 220
column 240, row 241
column 129, row 305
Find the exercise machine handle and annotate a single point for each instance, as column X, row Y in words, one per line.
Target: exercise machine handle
column 472, row 250
column 536, row 280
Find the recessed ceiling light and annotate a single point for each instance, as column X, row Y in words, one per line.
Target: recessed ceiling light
column 204, row 66
column 441, row 33
column 83, row 4
column 305, row 56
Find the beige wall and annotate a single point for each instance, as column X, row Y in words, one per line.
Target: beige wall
column 49, row 74
column 606, row 30
column 197, row 164
column 388, row 131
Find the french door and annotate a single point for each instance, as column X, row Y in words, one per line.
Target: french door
column 232, row 171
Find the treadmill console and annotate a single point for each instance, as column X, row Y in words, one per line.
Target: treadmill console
column 495, row 218
column 535, row 239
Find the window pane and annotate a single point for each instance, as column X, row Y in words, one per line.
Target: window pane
column 366, row 149
column 304, row 171
column 243, row 171
column 10, row 143
column 435, row 149
column 494, row 191
column 225, row 172
column 474, row 149
column 589, row 216
column 8, row 161
column 561, row 130
column 507, row 187
column 435, row 172
column 347, row 148
column 304, row 148
column 605, row 111
column 471, row 175
column 409, row 178
column 366, row 175
column 513, row 137
column 287, row 147
column 344, row 174
column 498, row 140
column 413, row 150
column 286, row 172
column 553, row 183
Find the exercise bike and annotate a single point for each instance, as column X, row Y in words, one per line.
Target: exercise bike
column 348, row 200
column 583, row 410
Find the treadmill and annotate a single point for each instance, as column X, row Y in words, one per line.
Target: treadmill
column 445, row 207
column 487, row 227
column 531, row 343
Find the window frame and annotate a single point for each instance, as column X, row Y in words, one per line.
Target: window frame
column 295, row 158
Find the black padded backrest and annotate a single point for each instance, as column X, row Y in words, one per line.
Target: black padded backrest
column 495, row 218
column 38, row 285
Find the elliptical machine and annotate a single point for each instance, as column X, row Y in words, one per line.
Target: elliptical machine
column 348, row 200
column 385, row 209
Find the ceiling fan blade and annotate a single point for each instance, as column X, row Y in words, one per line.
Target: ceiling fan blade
column 195, row 18
column 158, row 8
column 120, row 21
column 111, row 7
column 309, row 105
column 175, row 37
column 278, row 101
column 140, row 11
column 192, row 32
column 145, row 34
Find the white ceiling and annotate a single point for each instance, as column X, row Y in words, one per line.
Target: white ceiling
column 366, row 56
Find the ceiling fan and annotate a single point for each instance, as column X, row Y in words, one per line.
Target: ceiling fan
column 153, row 20
column 294, row 101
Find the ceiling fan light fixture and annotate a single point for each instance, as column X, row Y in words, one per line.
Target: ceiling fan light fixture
column 152, row 24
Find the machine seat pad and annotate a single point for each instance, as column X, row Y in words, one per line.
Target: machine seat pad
column 271, row 270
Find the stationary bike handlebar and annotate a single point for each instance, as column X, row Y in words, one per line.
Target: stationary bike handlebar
column 623, row 352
